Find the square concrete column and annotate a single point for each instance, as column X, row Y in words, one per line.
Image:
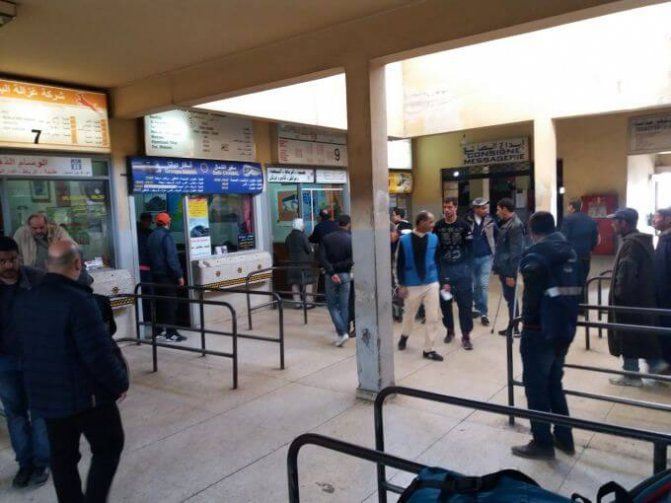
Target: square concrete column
column 368, row 175
column 545, row 165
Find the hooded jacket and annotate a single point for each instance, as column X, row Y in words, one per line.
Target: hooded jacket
column 633, row 285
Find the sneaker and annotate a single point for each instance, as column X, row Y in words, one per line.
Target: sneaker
column 475, row 314
column 466, row 343
column 635, row 382
column 39, row 476
column 504, row 332
column 22, row 477
column 158, row 335
column 176, row 337
column 564, row 447
column 533, row 450
column 432, row 355
column 484, row 320
column 449, row 336
column 342, row 339
column 403, row 342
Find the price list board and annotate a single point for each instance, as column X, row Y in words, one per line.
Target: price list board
column 194, row 176
column 311, row 146
column 200, row 135
column 43, row 117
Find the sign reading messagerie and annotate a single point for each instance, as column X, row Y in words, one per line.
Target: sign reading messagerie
column 200, row 135
column 492, row 152
column 35, row 116
column 650, row 134
column 311, row 146
column 194, row 176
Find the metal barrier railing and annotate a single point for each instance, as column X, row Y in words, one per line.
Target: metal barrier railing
column 660, row 441
column 203, row 330
column 599, row 279
column 277, row 300
column 642, row 329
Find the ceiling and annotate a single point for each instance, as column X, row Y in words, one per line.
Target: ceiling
column 105, row 43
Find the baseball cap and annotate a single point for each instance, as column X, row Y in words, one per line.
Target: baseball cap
column 163, row 218
column 629, row 215
column 480, row 201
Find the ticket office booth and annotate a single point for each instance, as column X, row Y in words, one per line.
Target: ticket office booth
column 212, row 205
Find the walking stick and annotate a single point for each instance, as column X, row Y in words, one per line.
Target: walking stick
column 496, row 316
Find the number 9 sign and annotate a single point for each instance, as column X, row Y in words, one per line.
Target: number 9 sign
column 336, row 154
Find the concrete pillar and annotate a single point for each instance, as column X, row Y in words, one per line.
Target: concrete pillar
column 545, row 165
column 368, row 173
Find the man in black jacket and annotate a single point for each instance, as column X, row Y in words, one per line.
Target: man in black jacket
column 73, row 376
column 662, row 223
column 335, row 256
column 581, row 231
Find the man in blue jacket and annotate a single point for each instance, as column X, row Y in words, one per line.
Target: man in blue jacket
column 27, row 431
column 552, row 293
column 73, row 375
column 166, row 271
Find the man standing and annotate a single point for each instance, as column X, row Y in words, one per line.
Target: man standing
column 335, row 256
column 27, row 432
column 484, row 232
column 581, row 231
column 552, row 294
column 299, row 250
column 398, row 219
column 417, row 276
column 325, row 227
column 509, row 249
column 73, row 376
column 633, row 285
column 143, row 233
column 662, row 222
column 455, row 243
column 166, row 271
column 35, row 237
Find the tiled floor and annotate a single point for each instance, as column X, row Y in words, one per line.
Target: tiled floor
column 189, row 437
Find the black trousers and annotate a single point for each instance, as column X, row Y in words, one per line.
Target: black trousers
column 166, row 310
column 101, row 426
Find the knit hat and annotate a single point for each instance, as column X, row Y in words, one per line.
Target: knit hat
column 163, row 218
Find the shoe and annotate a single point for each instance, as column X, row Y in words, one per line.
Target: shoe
column 176, row 337
column 532, row 450
column 504, row 332
column 449, row 336
column 403, row 342
column 352, row 333
column 158, row 335
column 342, row 339
column 565, row 448
column 39, row 476
column 475, row 314
column 466, row 343
column 432, row 355
column 635, row 382
column 517, row 334
column 22, row 477
column 484, row 320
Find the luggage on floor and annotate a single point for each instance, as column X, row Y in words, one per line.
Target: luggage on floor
column 655, row 489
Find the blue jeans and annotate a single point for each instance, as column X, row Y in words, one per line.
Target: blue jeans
column 27, row 433
column 481, row 269
column 337, row 300
column 543, row 369
column 631, row 364
column 459, row 277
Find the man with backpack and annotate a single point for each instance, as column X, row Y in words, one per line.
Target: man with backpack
column 552, row 293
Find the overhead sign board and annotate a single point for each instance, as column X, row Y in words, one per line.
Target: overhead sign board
column 200, row 135
column 290, row 175
column 492, row 152
column 650, row 134
column 36, row 116
column 311, row 146
column 194, row 176
column 331, row 176
column 29, row 165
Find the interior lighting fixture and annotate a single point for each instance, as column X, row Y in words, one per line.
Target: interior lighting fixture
column 455, row 174
column 7, row 12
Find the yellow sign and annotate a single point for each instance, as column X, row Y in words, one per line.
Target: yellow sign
column 400, row 183
column 197, row 207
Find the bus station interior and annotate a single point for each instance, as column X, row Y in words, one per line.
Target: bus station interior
column 397, row 93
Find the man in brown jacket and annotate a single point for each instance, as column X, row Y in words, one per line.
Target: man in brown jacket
column 633, row 286
column 35, row 237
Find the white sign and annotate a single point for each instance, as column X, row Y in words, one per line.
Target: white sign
column 650, row 134
column 331, row 176
column 290, row 175
column 311, row 146
column 493, row 152
column 34, row 116
column 399, row 154
column 28, row 165
column 199, row 135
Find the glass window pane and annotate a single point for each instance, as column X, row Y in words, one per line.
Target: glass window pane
column 283, row 208
column 232, row 221
column 100, row 168
column 321, row 197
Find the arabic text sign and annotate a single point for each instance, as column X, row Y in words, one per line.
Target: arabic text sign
column 290, row 175
column 55, row 118
column 311, row 146
column 202, row 135
column 331, row 176
column 650, row 134
column 492, row 152
column 28, row 165
column 195, row 176
column 200, row 244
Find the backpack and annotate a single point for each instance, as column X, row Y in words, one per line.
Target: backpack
column 655, row 489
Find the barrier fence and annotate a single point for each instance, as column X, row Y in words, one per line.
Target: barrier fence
column 599, row 280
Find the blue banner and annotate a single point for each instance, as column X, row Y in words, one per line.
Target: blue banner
column 194, row 176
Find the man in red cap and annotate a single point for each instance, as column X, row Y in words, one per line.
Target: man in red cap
column 167, row 272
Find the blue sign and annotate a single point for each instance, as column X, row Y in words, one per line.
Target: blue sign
column 194, row 176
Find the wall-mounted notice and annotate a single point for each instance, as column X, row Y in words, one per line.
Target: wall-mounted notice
column 399, row 154
column 29, row 165
column 194, row 176
column 312, row 146
column 200, row 135
column 492, row 152
column 650, row 134
column 35, row 116
column 290, row 175
column 200, row 244
column 331, row 176
column 400, row 183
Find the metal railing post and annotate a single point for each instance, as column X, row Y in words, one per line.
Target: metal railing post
column 280, row 313
column 249, row 302
column 379, row 446
column 509, row 368
column 201, row 309
column 659, row 457
column 154, row 352
column 137, row 314
column 235, row 348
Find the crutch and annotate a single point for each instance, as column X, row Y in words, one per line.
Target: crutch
column 496, row 316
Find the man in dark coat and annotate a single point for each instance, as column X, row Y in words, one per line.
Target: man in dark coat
column 325, row 227
column 300, row 250
column 662, row 222
column 633, row 285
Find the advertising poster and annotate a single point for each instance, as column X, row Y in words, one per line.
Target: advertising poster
column 246, row 242
column 199, row 227
column 287, row 206
column 400, row 183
